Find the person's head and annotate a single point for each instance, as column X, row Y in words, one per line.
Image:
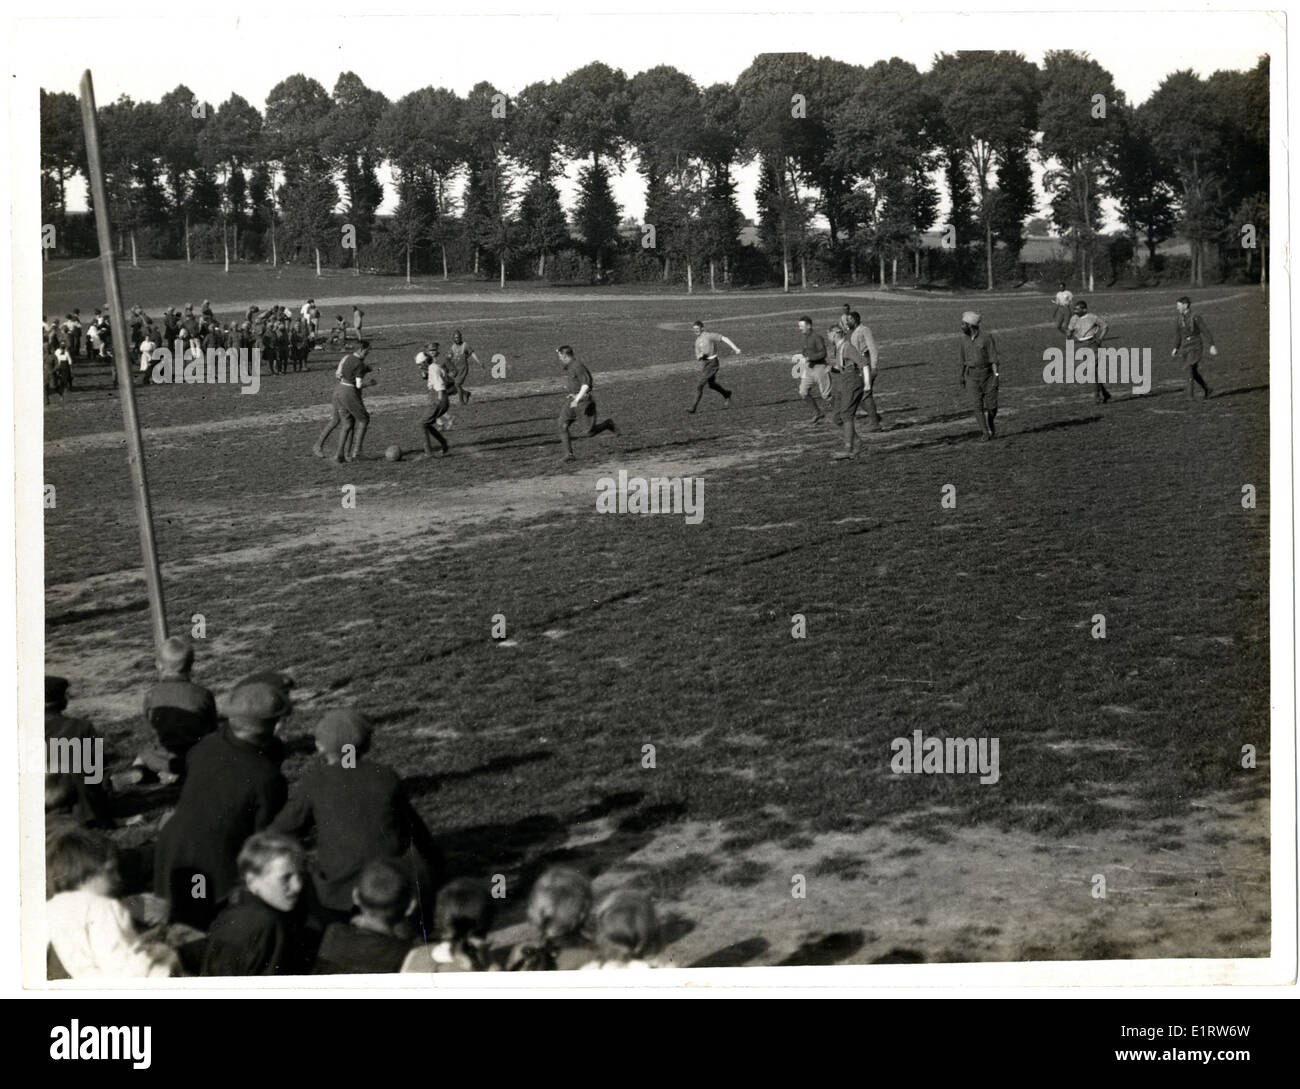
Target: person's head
column 78, row 858
column 175, row 657
column 805, row 325
column 970, row 322
column 698, row 326
column 835, row 333
column 565, row 353
column 56, row 693
column 463, row 911
column 1061, row 285
column 383, row 892
column 363, row 349
column 847, row 309
column 1184, row 304
column 456, row 337
column 626, row 926
column 434, row 347
column 255, row 708
column 1080, row 307
column 270, row 865
column 855, row 319
column 342, row 732
column 559, row 903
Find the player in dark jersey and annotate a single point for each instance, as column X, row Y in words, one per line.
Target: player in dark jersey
column 1191, row 336
column 579, row 403
column 349, row 409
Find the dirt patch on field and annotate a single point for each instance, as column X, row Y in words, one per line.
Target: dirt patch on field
column 887, row 896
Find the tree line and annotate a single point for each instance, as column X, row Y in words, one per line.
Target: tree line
column 864, row 149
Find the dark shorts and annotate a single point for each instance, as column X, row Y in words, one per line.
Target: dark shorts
column 983, row 387
column 348, row 404
column 709, row 371
column 585, row 412
column 1191, row 355
column 437, row 406
column 848, row 397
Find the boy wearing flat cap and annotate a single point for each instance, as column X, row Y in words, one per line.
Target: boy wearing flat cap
column 359, row 812
column 979, row 367
column 233, row 788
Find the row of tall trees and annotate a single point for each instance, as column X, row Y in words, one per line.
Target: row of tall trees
column 866, row 150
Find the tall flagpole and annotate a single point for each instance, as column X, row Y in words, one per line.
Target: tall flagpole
column 122, row 361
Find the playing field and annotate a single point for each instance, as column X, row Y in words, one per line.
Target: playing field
column 1119, row 756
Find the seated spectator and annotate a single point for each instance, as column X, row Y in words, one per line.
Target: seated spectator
column 259, row 933
column 558, row 907
column 74, row 780
column 91, row 935
column 358, row 812
column 627, row 931
column 233, row 788
column 374, row 940
column 177, row 711
column 463, row 918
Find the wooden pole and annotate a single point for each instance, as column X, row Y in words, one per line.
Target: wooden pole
column 122, row 361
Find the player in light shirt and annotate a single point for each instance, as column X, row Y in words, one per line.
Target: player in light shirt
column 1087, row 331
column 706, row 351
column 439, row 384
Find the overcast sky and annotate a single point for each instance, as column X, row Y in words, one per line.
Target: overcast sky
column 145, row 56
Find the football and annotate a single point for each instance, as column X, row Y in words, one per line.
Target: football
column 393, row 453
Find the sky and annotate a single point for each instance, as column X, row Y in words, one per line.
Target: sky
column 249, row 54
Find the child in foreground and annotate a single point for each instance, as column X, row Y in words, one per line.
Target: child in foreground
column 358, row 811
column 90, row 929
column 371, row 942
column 558, row 909
column 259, row 933
column 463, row 919
column 627, row 931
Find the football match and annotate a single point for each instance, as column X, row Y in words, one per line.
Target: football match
column 816, row 514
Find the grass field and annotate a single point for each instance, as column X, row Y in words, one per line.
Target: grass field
column 1118, row 756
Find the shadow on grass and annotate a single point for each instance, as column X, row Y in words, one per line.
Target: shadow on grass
column 419, row 785
column 831, row 949
column 733, row 955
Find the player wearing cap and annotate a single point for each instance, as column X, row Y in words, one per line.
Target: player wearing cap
column 1087, row 331
column 579, row 402
column 979, row 367
column 458, row 360
column 706, row 351
column 1191, row 334
column 434, row 372
column 816, row 370
column 349, row 409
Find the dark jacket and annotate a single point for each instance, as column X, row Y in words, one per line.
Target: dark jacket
column 349, row 950
column 232, row 789
column 358, row 814
column 251, row 938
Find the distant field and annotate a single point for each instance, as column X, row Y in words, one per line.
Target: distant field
column 1118, row 756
